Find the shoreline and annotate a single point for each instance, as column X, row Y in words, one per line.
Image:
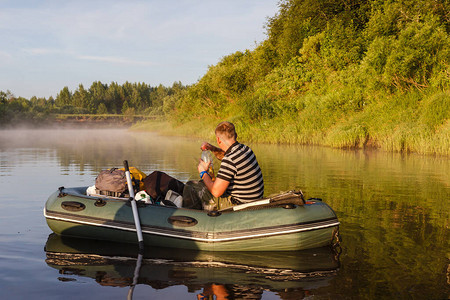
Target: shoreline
column 206, row 131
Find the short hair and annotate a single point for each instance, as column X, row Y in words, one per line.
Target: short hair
column 226, row 129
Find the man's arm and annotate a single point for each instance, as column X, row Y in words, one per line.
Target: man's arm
column 216, row 187
column 218, row 153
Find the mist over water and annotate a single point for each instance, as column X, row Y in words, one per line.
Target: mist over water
column 393, row 209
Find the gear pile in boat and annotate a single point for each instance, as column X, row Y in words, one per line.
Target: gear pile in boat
column 162, row 189
column 156, row 188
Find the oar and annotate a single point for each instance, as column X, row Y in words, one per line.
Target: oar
column 134, row 207
column 290, row 197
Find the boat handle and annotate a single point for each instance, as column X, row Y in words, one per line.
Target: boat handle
column 73, row 206
column 100, row 203
column 182, row 221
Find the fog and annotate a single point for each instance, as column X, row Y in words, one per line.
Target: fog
column 97, row 149
column 93, row 150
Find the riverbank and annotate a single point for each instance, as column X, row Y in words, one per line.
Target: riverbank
column 355, row 76
column 391, row 137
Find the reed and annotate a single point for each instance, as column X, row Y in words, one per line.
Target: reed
column 400, row 122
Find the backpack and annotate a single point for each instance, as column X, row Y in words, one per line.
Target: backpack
column 158, row 183
column 137, row 176
column 112, row 180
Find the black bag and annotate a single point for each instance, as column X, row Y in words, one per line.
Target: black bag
column 158, row 183
column 112, row 180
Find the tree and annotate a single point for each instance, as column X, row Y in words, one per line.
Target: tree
column 101, row 110
column 114, row 97
column 81, row 97
column 125, row 107
column 300, row 19
column 98, row 95
column 64, row 97
column 3, row 106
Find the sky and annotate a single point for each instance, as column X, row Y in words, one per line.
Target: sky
column 46, row 45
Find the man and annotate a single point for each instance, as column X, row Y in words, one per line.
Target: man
column 239, row 179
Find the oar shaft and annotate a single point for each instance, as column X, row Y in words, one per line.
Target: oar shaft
column 137, row 222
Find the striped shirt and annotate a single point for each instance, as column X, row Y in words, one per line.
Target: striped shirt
column 240, row 168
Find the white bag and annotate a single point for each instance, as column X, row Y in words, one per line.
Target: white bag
column 91, row 191
column 174, row 197
column 143, row 196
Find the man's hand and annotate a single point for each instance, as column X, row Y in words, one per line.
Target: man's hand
column 218, row 153
column 203, row 166
column 206, row 146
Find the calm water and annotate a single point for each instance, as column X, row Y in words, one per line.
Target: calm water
column 393, row 209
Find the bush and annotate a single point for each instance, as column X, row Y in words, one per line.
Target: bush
column 435, row 110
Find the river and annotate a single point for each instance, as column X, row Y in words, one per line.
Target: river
column 393, row 209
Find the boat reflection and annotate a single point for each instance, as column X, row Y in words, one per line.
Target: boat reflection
column 291, row 273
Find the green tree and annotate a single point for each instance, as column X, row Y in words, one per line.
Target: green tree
column 64, row 97
column 114, row 97
column 299, row 19
column 125, row 107
column 81, row 97
column 3, row 107
column 101, row 110
column 98, row 95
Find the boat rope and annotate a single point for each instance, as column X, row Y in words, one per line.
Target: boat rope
column 336, row 242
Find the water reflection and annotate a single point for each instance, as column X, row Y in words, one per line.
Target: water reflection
column 289, row 274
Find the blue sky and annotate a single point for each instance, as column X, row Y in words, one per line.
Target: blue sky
column 47, row 45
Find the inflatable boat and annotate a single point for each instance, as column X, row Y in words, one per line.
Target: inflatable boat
column 283, row 222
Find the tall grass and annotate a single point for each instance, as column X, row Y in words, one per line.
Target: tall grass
column 404, row 122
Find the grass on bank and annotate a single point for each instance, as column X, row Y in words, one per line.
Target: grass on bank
column 411, row 122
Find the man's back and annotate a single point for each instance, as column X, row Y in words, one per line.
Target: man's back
column 240, row 167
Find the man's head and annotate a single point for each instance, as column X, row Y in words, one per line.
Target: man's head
column 226, row 134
